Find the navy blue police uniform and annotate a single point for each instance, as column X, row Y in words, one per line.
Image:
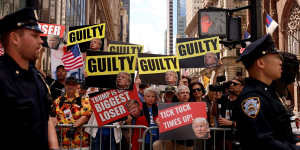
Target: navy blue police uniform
column 24, row 94
column 261, row 118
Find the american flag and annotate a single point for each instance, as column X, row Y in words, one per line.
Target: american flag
column 73, row 58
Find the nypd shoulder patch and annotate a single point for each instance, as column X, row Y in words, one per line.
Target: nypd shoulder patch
column 251, row 106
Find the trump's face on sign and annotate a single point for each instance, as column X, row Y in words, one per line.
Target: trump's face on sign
column 201, row 128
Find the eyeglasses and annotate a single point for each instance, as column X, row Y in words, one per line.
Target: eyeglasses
column 195, row 90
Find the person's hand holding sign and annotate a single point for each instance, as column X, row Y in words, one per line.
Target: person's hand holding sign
column 157, row 122
column 224, row 122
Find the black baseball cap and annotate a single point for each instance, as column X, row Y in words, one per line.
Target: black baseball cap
column 23, row 18
column 257, row 49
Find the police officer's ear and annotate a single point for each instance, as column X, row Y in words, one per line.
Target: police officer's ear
column 15, row 37
column 260, row 63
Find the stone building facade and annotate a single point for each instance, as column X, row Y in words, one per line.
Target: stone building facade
column 75, row 13
column 228, row 56
column 287, row 36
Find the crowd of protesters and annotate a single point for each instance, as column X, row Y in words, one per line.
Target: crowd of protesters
column 70, row 101
column 218, row 99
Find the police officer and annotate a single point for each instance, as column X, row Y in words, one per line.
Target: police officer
column 262, row 120
column 23, row 92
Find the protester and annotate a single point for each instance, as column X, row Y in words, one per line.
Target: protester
column 73, row 109
column 82, row 90
column 235, row 88
column 169, row 94
column 285, row 85
column 183, row 93
column 225, row 119
column 184, row 81
column 57, row 87
column 197, row 91
column 260, row 116
column 171, row 78
column 24, row 94
column 150, row 114
column 142, row 87
column 212, row 105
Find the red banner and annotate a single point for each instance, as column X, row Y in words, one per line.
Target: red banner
column 180, row 115
column 52, row 29
column 110, row 105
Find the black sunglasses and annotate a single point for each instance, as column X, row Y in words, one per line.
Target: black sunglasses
column 195, row 90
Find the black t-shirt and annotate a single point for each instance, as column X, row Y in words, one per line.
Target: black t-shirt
column 57, row 89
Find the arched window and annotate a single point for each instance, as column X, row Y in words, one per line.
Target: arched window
column 293, row 30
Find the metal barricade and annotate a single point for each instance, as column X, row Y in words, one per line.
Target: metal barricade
column 218, row 136
column 112, row 145
column 217, row 141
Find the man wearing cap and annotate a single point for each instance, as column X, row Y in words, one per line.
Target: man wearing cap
column 262, row 120
column 24, row 94
column 169, row 94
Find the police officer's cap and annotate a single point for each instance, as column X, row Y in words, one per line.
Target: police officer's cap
column 24, row 18
column 257, row 49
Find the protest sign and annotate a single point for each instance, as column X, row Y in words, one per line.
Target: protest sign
column 52, row 29
column 153, row 67
column 180, row 120
column 86, row 34
column 195, row 53
column 110, row 106
column 110, row 64
column 103, row 68
column 125, row 48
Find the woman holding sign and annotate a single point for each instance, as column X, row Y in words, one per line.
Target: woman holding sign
column 150, row 113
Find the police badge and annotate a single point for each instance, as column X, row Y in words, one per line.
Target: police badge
column 251, row 106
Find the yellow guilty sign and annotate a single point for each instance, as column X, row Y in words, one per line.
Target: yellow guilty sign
column 110, row 64
column 197, row 47
column 126, row 49
column 86, row 34
column 153, row 65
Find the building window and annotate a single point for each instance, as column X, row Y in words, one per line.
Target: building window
column 293, row 30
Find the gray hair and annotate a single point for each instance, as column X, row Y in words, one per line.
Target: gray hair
column 200, row 119
column 181, row 88
column 153, row 90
